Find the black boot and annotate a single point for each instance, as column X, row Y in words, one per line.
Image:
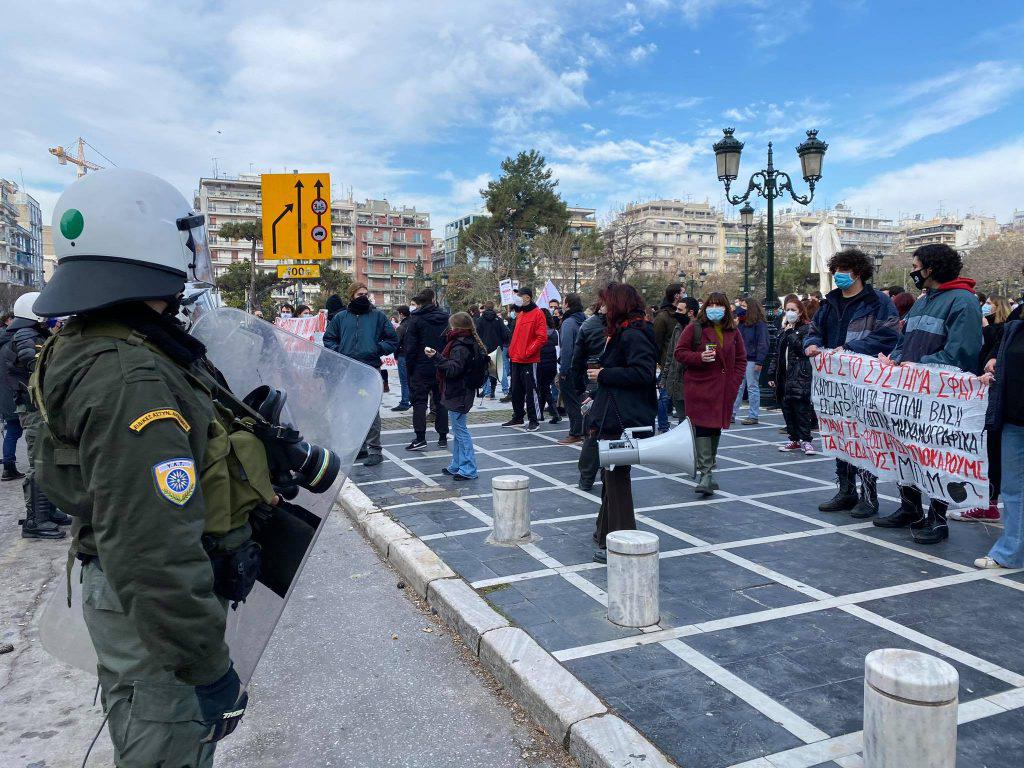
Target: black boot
column 846, row 497
column 910, row 511
column 37, row 523
column 935, row 528
column 867, row 504
column 11, row 472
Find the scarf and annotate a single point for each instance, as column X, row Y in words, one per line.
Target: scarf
column 359, row 305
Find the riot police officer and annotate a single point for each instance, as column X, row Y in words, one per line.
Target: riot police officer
column 29, row 333
column 139, row 453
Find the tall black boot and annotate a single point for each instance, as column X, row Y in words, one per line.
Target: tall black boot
column 11, row 472
column 910, row 511
column 846, row 497
column 935, row 528
column 867, row 504
column 37, row 523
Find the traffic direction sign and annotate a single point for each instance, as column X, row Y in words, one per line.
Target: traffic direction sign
column 296, row 215
column 297, row 271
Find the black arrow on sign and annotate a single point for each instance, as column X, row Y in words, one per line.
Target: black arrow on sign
column 319, row 186
column 273, row 227
column 298, row 205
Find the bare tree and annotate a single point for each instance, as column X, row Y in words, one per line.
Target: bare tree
column 506, row 254
column 624, row 246
column 997, row 262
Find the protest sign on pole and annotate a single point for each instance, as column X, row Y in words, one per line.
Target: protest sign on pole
column 919, row 425
column 506, row 291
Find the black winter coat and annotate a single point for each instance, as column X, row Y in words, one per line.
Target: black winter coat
column 426, row 329
column 19, row 356
column 590, row 343
column 549, row 354
column 627, row 394
column 492, row 330
column 789, row 367
column 456, row 395
column 7, row 410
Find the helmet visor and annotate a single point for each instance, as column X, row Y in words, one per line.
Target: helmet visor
column 201, row 266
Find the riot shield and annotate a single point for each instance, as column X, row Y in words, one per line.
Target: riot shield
column 332, row 400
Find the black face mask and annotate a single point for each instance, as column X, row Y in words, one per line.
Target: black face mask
column 360, row 305
column 918, row 279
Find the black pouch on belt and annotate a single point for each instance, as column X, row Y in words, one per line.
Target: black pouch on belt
column 235, row 572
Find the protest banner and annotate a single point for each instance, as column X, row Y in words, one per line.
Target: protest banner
column 310, row 328
column 919, row 425
column 550, row 293
column 507, row 290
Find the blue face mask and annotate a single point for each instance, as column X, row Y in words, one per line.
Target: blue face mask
column 715, row 314
column 843, row 279
column 986, row 309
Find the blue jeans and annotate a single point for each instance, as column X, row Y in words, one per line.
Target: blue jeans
column 504, row 370
column 664, row 405
column 12, row 431
column 463, row 455
column 753, row 392
column 403, row 379
column 1008, row 550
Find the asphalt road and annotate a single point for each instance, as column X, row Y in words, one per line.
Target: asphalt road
column 357, row 674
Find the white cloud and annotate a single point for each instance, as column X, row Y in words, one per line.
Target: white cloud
column 771, row 23
column 644, row 105
column 635, row 28
column 641, row 52
column 987, row 182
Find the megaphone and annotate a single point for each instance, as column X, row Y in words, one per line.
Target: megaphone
column 670, row 452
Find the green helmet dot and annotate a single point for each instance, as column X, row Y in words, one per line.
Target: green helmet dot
column 72, row 223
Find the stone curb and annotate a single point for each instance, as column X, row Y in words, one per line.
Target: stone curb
column 556, row 700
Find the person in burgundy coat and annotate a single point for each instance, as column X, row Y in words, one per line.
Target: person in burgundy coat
column 712, row 350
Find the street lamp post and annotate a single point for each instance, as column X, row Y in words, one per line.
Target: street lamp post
column 703, row 277
column 877, row 258
column 576, row 266
column 444, row 288
column 746, row 220
column 769, row 183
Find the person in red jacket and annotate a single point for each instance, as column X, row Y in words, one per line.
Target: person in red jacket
column 528, row 338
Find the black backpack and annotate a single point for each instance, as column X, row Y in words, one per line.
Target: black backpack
column 476, row 368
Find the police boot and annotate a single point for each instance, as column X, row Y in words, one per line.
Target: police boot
column 11, row 472
column 935, row 528
column 37, row 523
column 846, row 497
column 867, row 503
column 703, row 450
column 46, row 510
column 910, row 511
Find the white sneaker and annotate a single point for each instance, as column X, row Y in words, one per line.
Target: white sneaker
column 987, row 562
column 808, row 449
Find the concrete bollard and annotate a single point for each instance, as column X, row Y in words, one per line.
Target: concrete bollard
column 511, row 525
column 910, row 702
column 633, row 578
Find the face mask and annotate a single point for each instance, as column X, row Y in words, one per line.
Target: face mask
column 740, row 312
column 286, row 314
column 715, row 314
column 791, row 315
column 361, row 302
column 512, row 314
column 918, row 279
column 986, row 310
column 518, row 301
column 843, row 279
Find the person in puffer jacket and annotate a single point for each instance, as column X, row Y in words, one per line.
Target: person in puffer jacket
column 942, row 328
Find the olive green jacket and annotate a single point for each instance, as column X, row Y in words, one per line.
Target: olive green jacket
column 130, row 436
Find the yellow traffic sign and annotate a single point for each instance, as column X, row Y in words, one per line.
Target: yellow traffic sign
column 296, row 215
column 297, row 271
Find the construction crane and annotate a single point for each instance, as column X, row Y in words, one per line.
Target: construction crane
column 78, row 159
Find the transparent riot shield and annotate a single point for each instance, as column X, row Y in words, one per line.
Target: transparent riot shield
column 332, row 400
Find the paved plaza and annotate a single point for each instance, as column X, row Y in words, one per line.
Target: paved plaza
column 768, row 607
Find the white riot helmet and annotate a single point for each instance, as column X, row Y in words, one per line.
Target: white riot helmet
column 23, row 307
column 123, row 235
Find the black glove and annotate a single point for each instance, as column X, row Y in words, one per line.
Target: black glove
column 223, row 704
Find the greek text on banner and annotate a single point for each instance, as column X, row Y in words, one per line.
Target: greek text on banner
column 919, row 425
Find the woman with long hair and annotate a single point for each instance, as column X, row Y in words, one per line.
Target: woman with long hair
column 789, row 373
column 712, row 350
column 626, row 397
column 454, row 364
column 754, row 331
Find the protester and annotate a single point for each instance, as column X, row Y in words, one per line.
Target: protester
column 789, row 374
column 664, row 326
column 858, row 318
column 903, row 301
column 712, row 351
column 495, row 335
column 812, row 305
column 571, row 324
column 333, row 305
column 405, row 401
column 12, row 425
column 671, row 369
column 754, row 331
column 528, row 339
column 455, row 367
column 425, row 331
column 506, row 365
column 303, row 311
column 626, row 397
column 942, row 328
column 547, row 370
column 1004, row 421
column 555, row 308
column 364, row 333
column 590, row 344
column 286, row 311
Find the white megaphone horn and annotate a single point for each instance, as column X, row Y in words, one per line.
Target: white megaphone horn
column 671, row 451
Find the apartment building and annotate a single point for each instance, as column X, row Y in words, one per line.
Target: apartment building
column 733, row 241
column 49, row 254
column 452, row 230
column 21, row 237
column 678, row 235
column 439, row 257
column 871, row 234
column 582, row 220
column 390, row 242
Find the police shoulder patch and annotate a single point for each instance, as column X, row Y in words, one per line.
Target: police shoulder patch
column 161, row 413
column 176, row 480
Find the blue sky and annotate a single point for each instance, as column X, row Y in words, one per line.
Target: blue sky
column 419, row 101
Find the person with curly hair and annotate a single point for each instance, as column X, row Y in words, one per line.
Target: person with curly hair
column 942, row 328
